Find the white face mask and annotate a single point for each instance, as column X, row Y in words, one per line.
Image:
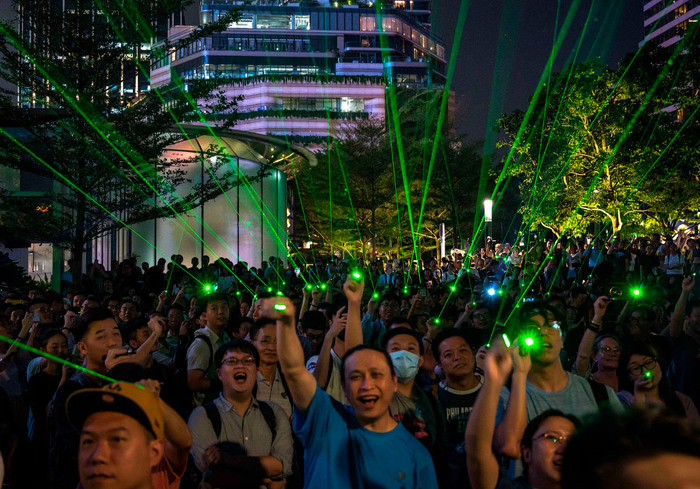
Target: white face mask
column 405, row 364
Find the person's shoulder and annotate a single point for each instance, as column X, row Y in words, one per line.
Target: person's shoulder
column 276, row 409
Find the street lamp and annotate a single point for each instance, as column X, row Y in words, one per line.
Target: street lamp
column 488, row 217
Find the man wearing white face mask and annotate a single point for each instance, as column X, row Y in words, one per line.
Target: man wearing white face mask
column 416, row 409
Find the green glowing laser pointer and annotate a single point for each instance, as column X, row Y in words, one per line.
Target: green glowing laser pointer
column 57, row 359
column 529, row 341
column 356, row 275
column 506, row 341
column 375, row 296
column 280, row 307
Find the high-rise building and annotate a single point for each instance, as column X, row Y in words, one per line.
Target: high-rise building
column 666, row 21
column 305, row 69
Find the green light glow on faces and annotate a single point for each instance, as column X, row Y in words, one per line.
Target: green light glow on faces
column 506, row 341
column 648, row 374
column 280, row 307
column 529, row 341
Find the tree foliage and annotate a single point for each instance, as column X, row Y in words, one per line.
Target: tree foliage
column 617, row 146
column 88, row 63
column 365, row 207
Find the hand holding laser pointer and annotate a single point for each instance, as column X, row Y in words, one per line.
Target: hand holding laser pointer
column 278, row 308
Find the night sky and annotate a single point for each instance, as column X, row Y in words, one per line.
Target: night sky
column 520, row 33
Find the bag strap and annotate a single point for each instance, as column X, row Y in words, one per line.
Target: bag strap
column 269, row 415
column 214, row 417
column 599, row 393
column 206, row 340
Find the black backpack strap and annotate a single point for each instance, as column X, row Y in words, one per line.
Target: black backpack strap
column 206, row 340
column 600, row 393
column 286, row 387
column 269, row 415
column 214, row 417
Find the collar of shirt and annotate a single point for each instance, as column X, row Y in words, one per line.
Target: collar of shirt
column 228, row 407
column 277, row 376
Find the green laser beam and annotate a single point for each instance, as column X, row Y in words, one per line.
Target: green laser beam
column 57, row 359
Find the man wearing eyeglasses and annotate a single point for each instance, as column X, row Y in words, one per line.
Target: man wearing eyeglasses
column 542, row 444
column 540, row 383
column 238, row 440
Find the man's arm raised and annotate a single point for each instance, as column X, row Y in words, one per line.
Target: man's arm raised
column 301, row 382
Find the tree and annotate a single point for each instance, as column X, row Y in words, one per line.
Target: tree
column 612, row 146
column 102, row 151
column 372, row 207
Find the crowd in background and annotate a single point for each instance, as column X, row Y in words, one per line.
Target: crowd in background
column 616, row 323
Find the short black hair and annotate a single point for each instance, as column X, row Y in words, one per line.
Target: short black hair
column 597, row 455
column 314, row 320
column 529, row 310
column 397, row 320
column 442, row 336
column 129, row 331
column 357, row 348
column 83, row 322
column 205, row 299
column 258, row 325
column 236, row 345
column 399, row 331
column 49, row 333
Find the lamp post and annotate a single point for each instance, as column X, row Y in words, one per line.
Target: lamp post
column 488, row 217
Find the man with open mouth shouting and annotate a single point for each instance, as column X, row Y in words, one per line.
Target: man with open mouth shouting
column 359, row 445
column 239, row 441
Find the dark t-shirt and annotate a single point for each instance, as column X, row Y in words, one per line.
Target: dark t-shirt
column 457, row 406
column 63, row 438
column 41, row 389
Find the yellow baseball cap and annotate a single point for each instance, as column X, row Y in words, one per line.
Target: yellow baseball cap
column 121, row 397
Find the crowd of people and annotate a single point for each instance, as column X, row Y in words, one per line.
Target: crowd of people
column 544, row 364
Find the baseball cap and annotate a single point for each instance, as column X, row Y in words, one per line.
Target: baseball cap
column 121, row 397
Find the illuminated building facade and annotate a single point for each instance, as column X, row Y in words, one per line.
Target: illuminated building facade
column 303, row 70
column 666, row 21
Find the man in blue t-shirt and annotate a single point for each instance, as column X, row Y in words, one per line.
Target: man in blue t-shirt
column 360, row 445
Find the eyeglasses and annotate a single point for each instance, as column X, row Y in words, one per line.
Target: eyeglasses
column 644, row 367
column 608, row 349
column 546, row 328
column 482, row 316
column 553, row 439
column 234, row 362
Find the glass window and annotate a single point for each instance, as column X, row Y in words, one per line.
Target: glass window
column 267, row 21
column 302, row 22
column 368, row 23
column 245, row 22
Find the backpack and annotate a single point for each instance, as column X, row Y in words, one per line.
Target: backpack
column 185, row 400
column 266, row 410
column 193, row 476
